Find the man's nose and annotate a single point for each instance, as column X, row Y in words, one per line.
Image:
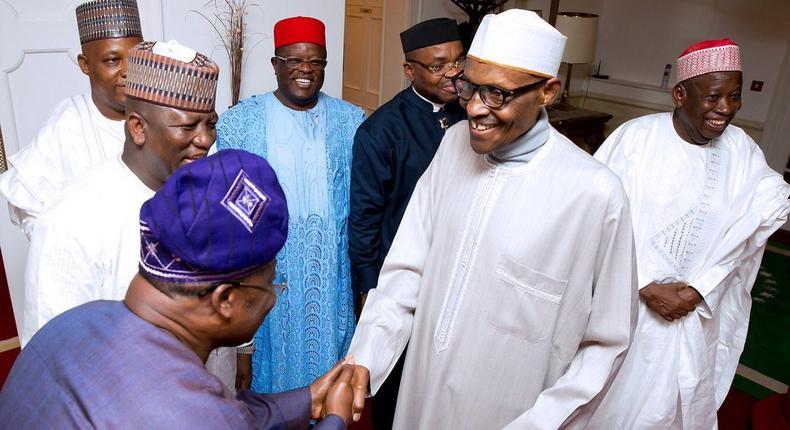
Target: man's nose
column 727, row 106
column 475, row 106
column 304, row 67
column 205, row 138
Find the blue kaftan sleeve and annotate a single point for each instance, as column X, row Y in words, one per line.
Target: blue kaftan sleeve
column 291, row 408
column 243, row 126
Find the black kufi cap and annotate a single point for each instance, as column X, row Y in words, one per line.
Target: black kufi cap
column 428, row 33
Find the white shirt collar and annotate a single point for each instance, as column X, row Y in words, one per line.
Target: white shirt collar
column 436, row 106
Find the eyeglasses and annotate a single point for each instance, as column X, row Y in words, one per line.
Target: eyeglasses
column 441, row 68
column 278, row 286
column 294, row 63
column 491, row 96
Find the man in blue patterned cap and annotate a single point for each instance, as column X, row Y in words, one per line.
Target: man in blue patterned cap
column 208, row 242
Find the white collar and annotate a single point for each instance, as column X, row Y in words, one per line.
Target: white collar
column 436, row 106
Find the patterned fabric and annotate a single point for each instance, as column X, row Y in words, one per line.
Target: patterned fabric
column 241, row 220
column 311, row 325
column 108, row 19
column 167, row 81
column 707, row 57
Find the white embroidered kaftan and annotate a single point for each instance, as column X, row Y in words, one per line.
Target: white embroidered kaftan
column 85, row 246
column 75, row 137
column 701, row 215
column 514, row 286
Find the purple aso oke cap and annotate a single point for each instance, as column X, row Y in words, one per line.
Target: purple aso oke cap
column 216, row 219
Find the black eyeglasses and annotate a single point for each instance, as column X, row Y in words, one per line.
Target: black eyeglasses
column 294, row 63
column 492, row 96
column 439, row 69
column 278, row 286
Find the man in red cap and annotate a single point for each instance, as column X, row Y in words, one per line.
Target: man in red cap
column 703, row 203
column 307, row 137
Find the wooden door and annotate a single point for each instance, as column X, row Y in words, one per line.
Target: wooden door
column 362, row 53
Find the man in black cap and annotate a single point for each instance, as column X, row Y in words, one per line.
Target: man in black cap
column 392, row 149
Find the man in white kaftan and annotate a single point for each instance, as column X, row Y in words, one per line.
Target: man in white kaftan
column 704, row 203
column 88, row 238
column 86, row 244
column 85, row 130
column 511, row 275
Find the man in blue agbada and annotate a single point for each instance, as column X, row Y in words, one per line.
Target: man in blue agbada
column 208, row 242
column 307, row 137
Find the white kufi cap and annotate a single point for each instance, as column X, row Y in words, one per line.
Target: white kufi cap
column 521, row 40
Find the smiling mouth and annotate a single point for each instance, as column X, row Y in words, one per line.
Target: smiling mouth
column 476, row 126
column 303, row 83
column 716, row 123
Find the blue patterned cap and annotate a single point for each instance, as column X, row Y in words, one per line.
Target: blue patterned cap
column 216, row 219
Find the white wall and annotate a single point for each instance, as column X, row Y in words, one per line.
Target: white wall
column 636, row 39
column 428, row 9
column 192, row 30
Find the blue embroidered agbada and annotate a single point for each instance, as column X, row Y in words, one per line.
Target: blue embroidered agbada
column 311, row 326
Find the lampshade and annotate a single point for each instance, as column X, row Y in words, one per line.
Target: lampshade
column 581, row 30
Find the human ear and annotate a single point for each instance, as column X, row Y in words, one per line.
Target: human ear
column 274, row 65
column 135, row 125
column 408, row 71
column 82, row 60
column 550, row 90
column 223, row 300
column 679, row 95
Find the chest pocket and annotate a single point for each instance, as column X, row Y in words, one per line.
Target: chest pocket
column 523, row 302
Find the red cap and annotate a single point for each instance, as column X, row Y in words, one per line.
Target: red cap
column 705, row 44
column 299, row 29
column 709, row 56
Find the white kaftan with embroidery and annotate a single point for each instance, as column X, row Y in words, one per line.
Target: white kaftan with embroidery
column 75, row 137
column 85, row 246
column 514, row 286
column 701, row 215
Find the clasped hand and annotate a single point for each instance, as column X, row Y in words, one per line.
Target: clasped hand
column 672, row 301
column 341, row 391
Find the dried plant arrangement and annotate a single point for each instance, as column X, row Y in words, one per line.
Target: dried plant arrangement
column 230, row 25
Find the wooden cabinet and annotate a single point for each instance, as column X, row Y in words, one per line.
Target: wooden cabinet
column 583, row 127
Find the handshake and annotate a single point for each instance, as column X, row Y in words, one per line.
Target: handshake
column 341, row 391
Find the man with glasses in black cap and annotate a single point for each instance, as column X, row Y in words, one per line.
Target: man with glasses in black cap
column 392, row 149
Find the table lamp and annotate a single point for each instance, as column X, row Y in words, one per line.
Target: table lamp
column 581, row 29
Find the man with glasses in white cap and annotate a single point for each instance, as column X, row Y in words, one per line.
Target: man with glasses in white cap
column 392, row 149
column 512, row 274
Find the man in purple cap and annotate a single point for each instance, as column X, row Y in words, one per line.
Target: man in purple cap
column 206, row 267
column 84, row 130
column 84, row 246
